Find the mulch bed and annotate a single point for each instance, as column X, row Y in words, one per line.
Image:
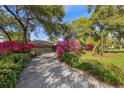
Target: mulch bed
column 104, row 54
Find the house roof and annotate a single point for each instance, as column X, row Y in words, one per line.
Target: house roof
column 40, row 43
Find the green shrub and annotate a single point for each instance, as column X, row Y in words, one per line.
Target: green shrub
column 10, row 69
column 75, row 64
column 82, row 51
column 69, row 57
column 10, row 65
column 8, row 78
column 53, row 49
column 19, row 57
column 106, row 73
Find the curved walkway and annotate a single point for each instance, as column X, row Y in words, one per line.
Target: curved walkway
column 45, row 71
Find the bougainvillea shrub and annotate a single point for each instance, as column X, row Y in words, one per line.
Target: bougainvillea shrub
column 70, row 45
column 59, row 48
column 12, row 46
column 89, row 47
column 26, row 47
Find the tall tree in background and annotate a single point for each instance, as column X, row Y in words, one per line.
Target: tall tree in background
column 102, row 18
column 116, row 23
column 81, row 29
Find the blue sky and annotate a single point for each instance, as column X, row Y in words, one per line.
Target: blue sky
column 72, row 12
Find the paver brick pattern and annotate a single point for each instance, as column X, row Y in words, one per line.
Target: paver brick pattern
column 45, row 71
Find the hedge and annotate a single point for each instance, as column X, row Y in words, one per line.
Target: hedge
column 10, row 69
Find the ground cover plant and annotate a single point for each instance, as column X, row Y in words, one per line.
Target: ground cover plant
column 107, row 73
column 10, row 69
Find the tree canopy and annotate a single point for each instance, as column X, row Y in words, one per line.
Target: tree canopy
column 27, row 18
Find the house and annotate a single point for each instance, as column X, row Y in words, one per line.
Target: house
column 42, row 46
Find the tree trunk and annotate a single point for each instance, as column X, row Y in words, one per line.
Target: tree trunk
column 25, row 35
column 102, row 46
column 101, row 41
column 96, row 48
column 7, row 35
column 19, row 21
column 120, row 46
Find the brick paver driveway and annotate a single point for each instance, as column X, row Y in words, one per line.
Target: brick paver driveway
column 45, row 71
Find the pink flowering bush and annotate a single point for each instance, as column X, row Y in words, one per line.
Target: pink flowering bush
column 59, row 48
column 89, row 47
column 12, row 46
column 70, row 45
column 26, row 47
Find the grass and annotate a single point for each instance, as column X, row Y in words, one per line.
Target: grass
column 116, row 59
column 115, row 50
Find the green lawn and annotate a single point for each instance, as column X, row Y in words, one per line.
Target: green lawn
column 117, row 59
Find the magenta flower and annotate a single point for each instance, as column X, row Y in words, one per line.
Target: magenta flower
column 12, row 46
column 67, row 45
column 89, row 47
